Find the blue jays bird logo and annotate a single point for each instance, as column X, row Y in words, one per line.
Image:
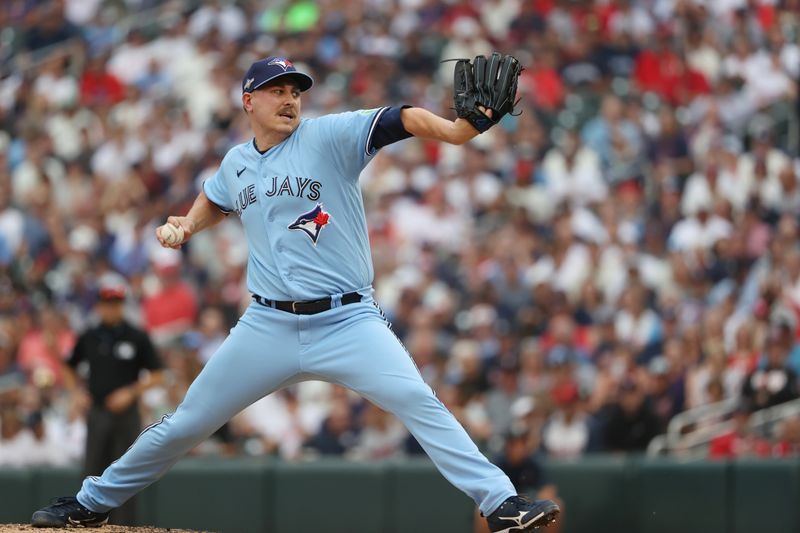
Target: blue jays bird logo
column 281, row 62
column 311, row 223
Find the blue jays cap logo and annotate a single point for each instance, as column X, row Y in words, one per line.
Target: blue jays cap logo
column 311, row 223
column 281, row 62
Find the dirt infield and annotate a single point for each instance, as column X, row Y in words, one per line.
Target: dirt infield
column 9, row 528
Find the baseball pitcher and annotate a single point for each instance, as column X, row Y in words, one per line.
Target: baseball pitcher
column 295, row 187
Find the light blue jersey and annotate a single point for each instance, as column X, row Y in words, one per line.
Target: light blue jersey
column 301, row 207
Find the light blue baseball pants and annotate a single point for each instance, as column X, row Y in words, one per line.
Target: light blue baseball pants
column 350, row 345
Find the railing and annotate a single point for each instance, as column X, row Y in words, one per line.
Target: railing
column 679, row 426
column 764, row 419
column 709, row 421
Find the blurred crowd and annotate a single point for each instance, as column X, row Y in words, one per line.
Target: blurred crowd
column 623, row 249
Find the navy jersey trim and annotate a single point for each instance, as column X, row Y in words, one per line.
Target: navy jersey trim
column 226, row 212
column 255, row 146
column 389, row 129
column 368, row 149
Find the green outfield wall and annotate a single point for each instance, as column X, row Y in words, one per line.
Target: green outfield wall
column 601, row 494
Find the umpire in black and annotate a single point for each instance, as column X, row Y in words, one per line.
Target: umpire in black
column 111, row 357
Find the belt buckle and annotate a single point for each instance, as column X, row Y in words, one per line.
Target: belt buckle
column 294, row 307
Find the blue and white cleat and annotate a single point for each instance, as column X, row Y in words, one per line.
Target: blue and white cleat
column 521, row 514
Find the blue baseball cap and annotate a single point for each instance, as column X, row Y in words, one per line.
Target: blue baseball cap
column 266, row 70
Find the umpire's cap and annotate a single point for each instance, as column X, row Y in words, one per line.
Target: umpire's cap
column 112, row 287
column 266, row 70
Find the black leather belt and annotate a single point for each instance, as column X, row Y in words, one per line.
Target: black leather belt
column 311, row 307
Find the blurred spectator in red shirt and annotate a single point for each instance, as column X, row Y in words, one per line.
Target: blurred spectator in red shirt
column 666, row 73
column 171, row 309
column 648, row 72
column 542, row 83
column 99, row 86
column 788, row 444
column 740, row 441
column 43, row 350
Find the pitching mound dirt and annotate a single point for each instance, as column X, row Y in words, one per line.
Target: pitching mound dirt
column 8, row 528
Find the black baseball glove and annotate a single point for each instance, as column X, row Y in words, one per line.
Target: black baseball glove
column 491, row 83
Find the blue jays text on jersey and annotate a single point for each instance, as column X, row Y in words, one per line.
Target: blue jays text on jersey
column 301, row 187
column 246, row 196
column 284, row 194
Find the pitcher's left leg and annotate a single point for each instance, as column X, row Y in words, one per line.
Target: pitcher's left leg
column 364, row 355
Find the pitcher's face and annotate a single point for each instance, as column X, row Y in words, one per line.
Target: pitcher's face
column 276, row 106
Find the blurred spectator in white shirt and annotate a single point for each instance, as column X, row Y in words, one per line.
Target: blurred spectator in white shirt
column 572, row 173
column 278, row 421
column 225, row 17
column 636, row 323
column 700, row 229
column 130, row 62
column 55, row 85
column 566, row 432
column 465, row 40
column 382, row 435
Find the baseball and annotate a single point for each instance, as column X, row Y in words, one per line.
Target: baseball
column 171, row 234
